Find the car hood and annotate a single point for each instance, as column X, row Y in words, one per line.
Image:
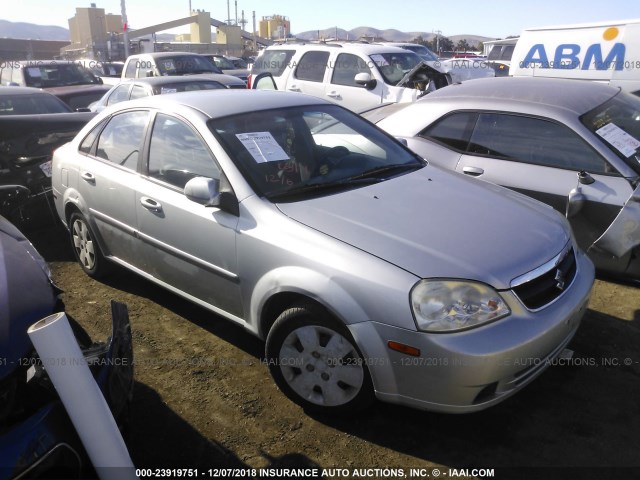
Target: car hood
column 74, row 89
column 435, row 223
column 26, row 295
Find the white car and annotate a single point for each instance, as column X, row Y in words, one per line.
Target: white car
column 458, row 69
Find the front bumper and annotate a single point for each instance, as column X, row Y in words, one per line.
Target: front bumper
column 475, row 369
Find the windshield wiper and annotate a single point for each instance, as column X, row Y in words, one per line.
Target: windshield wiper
column 313, row 188
column 376, row 172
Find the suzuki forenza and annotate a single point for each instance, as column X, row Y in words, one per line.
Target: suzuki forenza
column 369, row 272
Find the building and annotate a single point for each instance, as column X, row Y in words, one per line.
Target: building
column 274, row 27
column 93, row 34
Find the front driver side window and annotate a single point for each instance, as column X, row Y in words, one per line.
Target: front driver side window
column 535, row 141
column 346, row 68
column 177, row 154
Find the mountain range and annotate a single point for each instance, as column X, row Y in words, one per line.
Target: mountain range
column 50, row 32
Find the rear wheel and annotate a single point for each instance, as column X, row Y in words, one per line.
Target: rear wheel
column 86, row 248
column 316, row 363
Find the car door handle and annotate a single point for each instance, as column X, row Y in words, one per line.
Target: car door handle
column 294, row 88
column 150, row 204
column 88, row 177
column 333, row 94
column 473, row 171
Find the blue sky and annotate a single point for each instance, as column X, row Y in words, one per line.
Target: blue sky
column 491, row 18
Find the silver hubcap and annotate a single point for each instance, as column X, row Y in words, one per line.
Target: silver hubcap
column 83, row 244
column 321, row 366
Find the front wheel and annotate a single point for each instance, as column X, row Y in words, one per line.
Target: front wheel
column 315, row 362
column 85, row 247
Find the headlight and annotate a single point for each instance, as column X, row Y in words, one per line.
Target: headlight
column 452, row 305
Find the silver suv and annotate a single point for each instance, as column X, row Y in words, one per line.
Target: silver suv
column 355, row 75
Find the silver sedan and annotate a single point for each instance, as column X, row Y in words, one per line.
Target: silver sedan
column 571, row 144
column 368, row 272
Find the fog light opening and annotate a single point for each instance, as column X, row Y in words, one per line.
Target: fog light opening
column 402, row 348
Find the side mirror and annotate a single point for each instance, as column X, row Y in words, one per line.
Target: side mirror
column 149, row 73
column 202, row 190
column 365, row 80
column 575, row 202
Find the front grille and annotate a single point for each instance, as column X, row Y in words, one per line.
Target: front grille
column 550, row 284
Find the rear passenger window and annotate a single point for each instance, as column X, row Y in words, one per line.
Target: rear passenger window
column 272, row 61
column 453, row 130
column 121, row 140
column 346, row 68
column 312, row 66
column 119, row 94
column 138, row 92
column 87, row 143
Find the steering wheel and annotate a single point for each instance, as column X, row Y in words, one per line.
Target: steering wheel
column 336, row 153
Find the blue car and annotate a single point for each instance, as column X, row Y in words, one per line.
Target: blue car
column 37, row 438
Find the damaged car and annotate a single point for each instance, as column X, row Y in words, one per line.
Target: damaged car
column 357, row 76
column 571, row 144
column 37, row 438
column 33, row 123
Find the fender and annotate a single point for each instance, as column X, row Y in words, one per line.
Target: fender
column 307, row 282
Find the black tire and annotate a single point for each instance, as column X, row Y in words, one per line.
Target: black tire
column 86, row 248
column 316, row 363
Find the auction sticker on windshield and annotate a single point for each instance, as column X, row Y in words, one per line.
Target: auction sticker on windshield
column 618, row 138
column 262, row 147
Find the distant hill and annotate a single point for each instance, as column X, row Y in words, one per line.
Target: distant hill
column 390, row 35
column 50, row 32
column 33, row 31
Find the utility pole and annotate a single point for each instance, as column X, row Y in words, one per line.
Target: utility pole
column 125, row 29
column 438, row 33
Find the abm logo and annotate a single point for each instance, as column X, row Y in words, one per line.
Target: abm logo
column 570, row 56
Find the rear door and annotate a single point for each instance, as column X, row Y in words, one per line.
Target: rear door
column 309, row 73
column 108, row 180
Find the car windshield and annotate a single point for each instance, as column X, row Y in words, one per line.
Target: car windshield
column 42, row 75
column 293, row 153
column 617, row 123
column 185, row 65
column 394, row 66
column 223, row 63
column 31, row 104
column 423, row 51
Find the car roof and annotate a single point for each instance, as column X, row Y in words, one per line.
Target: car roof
column 577, row 96
column 163, row 80
column 165, row 54
column 366, row 48
column 224, row 102
column 14, row 91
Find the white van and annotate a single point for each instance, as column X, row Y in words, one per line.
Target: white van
column 608, row 52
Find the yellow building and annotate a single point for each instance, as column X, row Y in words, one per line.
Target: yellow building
column 274, row 27
column 90, row 30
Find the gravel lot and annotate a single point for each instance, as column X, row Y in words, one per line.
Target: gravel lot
column 204, row 398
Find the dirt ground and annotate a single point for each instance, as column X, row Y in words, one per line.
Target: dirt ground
column 204, row 398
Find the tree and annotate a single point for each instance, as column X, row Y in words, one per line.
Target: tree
column 420, row 41
column 463, row 46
